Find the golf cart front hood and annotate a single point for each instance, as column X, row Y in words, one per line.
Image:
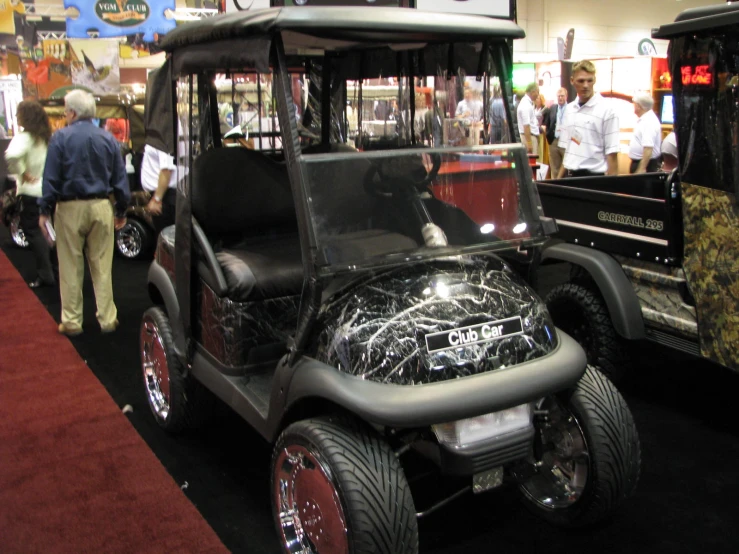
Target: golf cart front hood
column 434, row 321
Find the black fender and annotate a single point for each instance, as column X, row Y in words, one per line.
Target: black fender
column 612, row 283
column 160, row 282
column 421, row 405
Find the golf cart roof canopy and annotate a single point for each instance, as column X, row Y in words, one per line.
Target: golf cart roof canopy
column 695, row 20
column 322, row 29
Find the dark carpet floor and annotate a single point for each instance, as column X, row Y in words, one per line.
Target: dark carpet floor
column 685, row 411
column 75, row 476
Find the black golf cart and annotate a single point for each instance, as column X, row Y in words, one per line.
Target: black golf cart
column 350, row 304
column 654, row 256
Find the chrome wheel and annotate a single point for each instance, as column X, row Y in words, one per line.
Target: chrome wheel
column 16, row 232
column 155, row 368
column 311, row 518
column 562, row 460
column 129, row 240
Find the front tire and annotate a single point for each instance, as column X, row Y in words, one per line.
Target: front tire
column 587, row 452
column 178, row 401
column 583, row 315
column 338, row 488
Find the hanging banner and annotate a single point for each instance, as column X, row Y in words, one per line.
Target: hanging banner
column 8, row 9
column 66, row 64
column 116, row 18
column 94, row 65
column 136, row 47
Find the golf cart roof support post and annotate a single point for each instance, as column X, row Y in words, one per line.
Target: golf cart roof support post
column 183, row 239
column 311, row 296
column 412, row 95
column 484, row 75
column 326, row 100
column 450, row 62
column 259, row 108
column 361, row 102
column 505, row 69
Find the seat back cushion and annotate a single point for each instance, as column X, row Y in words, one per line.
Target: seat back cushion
column 238, row 192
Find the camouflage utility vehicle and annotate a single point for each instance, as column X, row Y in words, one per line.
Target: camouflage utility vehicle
column 656, row 256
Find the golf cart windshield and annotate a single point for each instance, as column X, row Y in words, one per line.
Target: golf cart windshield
column 389, row 207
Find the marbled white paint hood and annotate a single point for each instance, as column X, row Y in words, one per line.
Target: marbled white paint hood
column 376, row 329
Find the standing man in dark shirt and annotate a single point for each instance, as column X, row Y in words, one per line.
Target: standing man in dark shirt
column 83, row 167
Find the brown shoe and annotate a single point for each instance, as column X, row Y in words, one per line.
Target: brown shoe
column 69, row 331
column 111, row 328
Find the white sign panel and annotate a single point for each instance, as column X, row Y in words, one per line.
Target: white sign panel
column 245, row 5
column 492, row 8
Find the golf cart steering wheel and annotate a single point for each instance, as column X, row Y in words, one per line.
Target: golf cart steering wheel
column 383, row 176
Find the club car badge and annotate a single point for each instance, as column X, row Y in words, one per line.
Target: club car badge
column 474, row 334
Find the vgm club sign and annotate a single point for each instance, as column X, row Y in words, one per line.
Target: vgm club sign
column 122, row 13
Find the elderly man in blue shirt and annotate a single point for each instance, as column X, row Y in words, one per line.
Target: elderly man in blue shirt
column 83, row 168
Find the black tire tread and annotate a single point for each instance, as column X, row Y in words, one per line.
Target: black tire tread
column 613, row 440
column 191, row 404
column 371, row 483
column 609, row 354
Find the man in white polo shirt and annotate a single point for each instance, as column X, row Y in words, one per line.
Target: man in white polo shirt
column 645, row 146
column 590, row 129
column 159, row 177
column 528, row 125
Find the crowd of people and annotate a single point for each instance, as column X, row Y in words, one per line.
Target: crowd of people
column 582, row 136
column 73, row 173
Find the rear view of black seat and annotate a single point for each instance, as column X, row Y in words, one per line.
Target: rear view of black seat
column 244, row 204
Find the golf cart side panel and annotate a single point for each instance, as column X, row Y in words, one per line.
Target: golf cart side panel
column 387, row 404
column 703, row 61
column 466, row 298
column 235, row 333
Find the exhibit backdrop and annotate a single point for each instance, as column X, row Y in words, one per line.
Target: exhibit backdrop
column 492, row 8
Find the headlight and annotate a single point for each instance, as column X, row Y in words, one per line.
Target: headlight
column 464, row 432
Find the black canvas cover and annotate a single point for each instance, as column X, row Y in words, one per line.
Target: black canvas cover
column 159, row 111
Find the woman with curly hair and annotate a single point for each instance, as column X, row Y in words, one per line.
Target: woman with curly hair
column 26, row 156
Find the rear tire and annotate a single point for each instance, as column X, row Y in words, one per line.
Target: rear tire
column 338, row 488
column 135, row 240
column 582, row 314
column 178, row 401
column 590, row 454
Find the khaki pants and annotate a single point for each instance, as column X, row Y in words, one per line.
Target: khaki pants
column 85, row 226
column 534, row 144
column 555, row 158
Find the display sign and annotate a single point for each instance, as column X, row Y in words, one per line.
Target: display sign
column 697, row 75
column 492, row 8
column 116, row 18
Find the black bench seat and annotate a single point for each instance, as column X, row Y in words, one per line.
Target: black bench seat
column 258, row 268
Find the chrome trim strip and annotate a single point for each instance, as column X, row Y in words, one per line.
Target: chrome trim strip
column 613, row 232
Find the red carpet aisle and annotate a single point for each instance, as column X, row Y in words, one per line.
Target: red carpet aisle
column 74, row 474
